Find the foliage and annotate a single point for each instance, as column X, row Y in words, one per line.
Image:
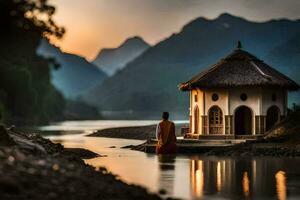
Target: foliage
column 30, row 15
column 287, row 130
column 25, row 89
column 294, row 114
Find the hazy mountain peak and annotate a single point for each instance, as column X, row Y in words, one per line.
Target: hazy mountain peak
column 113, row 59
column 229, row 18
column 226, row 16
column 149, row 82
column 75, row 75
column 136, row 40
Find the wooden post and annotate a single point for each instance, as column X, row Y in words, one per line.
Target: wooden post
column 204, row 125
column 228, row 124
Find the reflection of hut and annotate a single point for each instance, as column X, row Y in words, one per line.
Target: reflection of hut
column 239, row 178
column 240, row 95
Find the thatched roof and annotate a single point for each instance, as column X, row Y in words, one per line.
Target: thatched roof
column 240, row 69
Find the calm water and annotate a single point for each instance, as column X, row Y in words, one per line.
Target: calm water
column 188, row 177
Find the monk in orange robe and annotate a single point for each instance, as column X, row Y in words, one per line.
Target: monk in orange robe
column 165, row 134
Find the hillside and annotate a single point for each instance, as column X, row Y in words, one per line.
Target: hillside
column 288, row 130
column 112, row 60
column 287, row 57
column 150, row 81
column 75, row 75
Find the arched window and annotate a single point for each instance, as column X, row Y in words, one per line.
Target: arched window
column 215, row 120
column 196, row 120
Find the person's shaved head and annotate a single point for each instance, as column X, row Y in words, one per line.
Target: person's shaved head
column 165, row 115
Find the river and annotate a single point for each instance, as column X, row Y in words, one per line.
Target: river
column 183, row 176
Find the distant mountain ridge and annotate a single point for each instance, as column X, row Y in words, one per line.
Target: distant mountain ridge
column 150, row 81
column 75, row 76
column 114, row 59
column 287, row 57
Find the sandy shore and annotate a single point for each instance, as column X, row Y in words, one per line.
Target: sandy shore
column 32, row 167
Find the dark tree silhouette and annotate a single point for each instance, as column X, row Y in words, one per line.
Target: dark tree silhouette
column 26, row 94
column 30, row 15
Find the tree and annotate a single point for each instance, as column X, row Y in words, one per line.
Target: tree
column 25, row 77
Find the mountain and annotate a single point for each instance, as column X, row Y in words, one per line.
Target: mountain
column 75, row 75
column 149, row 83
column 287, row 57
column 112, row 60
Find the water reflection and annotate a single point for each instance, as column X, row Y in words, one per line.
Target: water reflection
column 238, row 178
column 245, row 184
column 281, row 185
column 167, row 172
column 219, row 177
column 197, row 177
column 194, row 177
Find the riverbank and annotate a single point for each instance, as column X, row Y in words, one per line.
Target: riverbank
column 243, row 149
column 32, row 167
column 275, row 143
column 137, row 132
column 283, row 140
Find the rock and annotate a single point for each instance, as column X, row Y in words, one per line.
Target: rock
column 54, row 173
column 82, row 153
column 162, row 192
column 128, row 147
column 9, row 185
column 5, row 139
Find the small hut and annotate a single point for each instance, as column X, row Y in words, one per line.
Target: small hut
column 239, row 96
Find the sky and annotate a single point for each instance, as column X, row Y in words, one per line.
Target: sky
column 95, row 24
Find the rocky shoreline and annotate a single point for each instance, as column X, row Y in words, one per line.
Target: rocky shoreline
column 283, row 140
column 268, row 146
column 32, row 167
column 247, row 149
column 255, row 149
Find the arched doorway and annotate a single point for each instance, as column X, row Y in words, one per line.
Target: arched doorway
column 215, row 120
column 273, row 116
column 196, row 119
column 243, row 121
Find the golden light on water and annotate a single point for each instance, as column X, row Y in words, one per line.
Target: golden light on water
column 281, row 185
column 197, row 178
column 219, row 178
column 246, row 184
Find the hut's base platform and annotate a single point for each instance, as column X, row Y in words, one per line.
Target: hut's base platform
column 223, row 137
column 195, row 146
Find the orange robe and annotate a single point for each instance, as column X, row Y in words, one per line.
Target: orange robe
column 166, row 138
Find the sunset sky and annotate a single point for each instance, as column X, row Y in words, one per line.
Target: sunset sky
column 95, row 24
